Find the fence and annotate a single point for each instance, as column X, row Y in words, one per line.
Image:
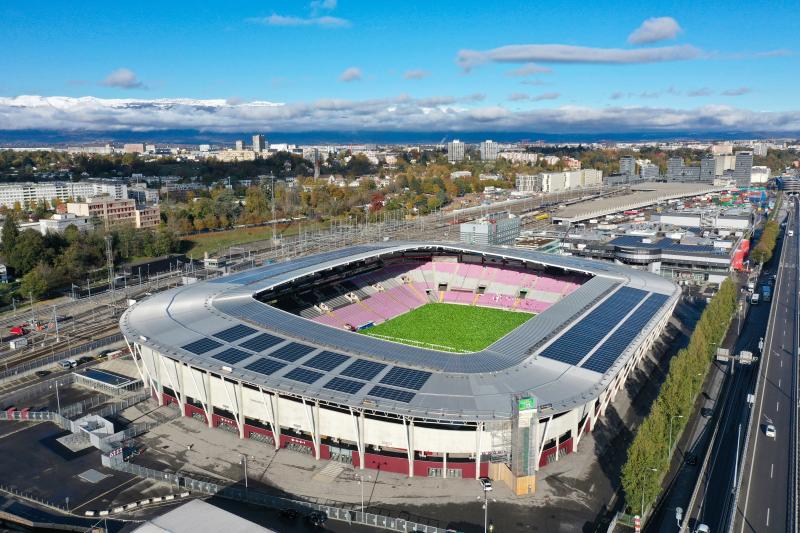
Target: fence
column 218, row 488
column 31, row 366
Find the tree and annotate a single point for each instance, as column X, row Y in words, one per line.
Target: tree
column 10, row 234
column 28, row 250
column 34, row 283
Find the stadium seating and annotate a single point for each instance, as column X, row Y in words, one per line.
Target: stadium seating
column 405, row 284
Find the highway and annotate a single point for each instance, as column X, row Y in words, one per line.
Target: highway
column 727, row 466
column 764, row 503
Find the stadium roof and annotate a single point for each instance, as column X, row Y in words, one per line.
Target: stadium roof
column 564, row 356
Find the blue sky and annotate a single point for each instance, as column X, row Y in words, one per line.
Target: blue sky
column 727, row 64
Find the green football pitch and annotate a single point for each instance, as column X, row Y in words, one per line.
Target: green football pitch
column 449, row 327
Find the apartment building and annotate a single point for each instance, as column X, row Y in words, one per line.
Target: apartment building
column 28, row 194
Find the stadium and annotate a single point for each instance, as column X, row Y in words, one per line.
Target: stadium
column 425, row 359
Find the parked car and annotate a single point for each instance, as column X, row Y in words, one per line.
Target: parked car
column 83, row 360
column 42, row 373
column 66, row 364
column 317, row 518
column 486, row 483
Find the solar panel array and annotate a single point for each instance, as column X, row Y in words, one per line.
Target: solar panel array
column 232, row 356
column 602, row 359
column 262, row 342
column 573, row 345
column 326, row 361
column 408, row 378
column 265, row 366
column 391, row 394
column 235, row 333
column 348, row 386
column 202, row 346
column 292, row 352
column 363, row 369
column 303, row 375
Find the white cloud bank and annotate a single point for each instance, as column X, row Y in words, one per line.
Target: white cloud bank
column 401, row 113
column 564, row 53
column 123, row 78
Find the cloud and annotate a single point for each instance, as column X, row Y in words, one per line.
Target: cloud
column 416, row 74
column 322, row 5
column 545, row 96
column 399, row 113
column 702, row 91
column 350, row 74
column 529, row 70
column 123, row 78
column 518, row 97
column 281, row 20
column 739, row 91
column 534, row 82
column 617, row 95
column 654, row 30
column 563, row 53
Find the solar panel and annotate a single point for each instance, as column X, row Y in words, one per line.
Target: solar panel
column 573, row 345
column 262, row 342
column 232, row 356
column 202, row 346
column 344, row 385
column 265, row 366
column 363, row 369
column 292, row 352
column 608, row 352
column 303, row 375
column 392, row 394
column 326, row 360
column 407, row 378
column 235, row 333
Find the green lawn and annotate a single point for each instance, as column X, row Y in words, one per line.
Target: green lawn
column 219, row 241
column 450, row 327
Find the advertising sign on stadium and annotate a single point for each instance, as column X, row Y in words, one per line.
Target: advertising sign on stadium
column 527, row 403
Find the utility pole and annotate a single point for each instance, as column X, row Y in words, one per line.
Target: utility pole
column 110, row 265
column 55, row 319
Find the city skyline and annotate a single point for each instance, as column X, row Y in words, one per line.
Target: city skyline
column 355, row 66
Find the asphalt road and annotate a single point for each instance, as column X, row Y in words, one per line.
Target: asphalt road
column 717, row 494
column 763, row 502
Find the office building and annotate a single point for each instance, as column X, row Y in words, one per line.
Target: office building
column 760, row 149
column 519, row 157
column 759, row 175
column 239, row 146
column 723, row 162
column 260, row 144
column 133, row 148
column 493, row 229
column 627, row 166
column 61, row 221
column 147, row 216
column 488, row 151
column 548, row 182
column 455, row 151
column 722, row 149
column 708, row 168
column 743, row 168
column 648, row 171
column 675, row 169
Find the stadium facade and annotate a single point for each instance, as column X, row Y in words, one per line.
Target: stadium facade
column 274, row 354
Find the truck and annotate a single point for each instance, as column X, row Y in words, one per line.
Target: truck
column 766, row 293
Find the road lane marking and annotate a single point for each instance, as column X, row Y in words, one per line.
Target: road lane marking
column 779, row 383
column 767, row 516
column 777, row 406
column 771, row 468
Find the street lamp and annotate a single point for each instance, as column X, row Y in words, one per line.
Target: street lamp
column 361, row 479
column 669, row 445
column 654, row 470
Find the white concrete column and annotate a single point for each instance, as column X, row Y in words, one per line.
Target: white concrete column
column 408, row 426
column 478, row 438
column 444, row 465
column 209, row 401
column 175, row 388
column 272, row 419
column 358, row 430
